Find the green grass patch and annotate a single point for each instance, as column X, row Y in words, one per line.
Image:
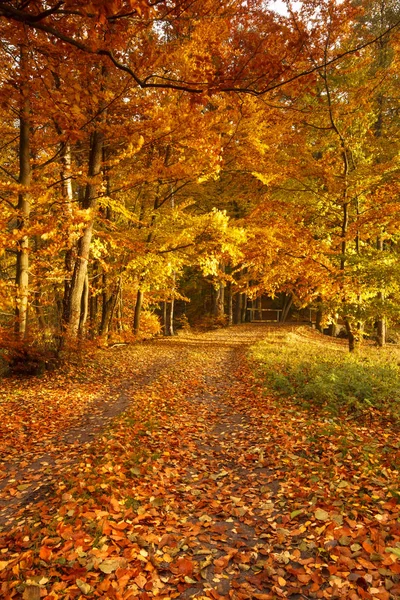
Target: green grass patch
column 315, row 370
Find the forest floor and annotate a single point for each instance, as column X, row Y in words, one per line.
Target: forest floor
column 165, row 470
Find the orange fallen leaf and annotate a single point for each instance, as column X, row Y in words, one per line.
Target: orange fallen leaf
column 45, row 553
column 367, row 547
column 115, row 504
column 119, row 526
column 183, row 566
column 140, row 580
column 221, row 563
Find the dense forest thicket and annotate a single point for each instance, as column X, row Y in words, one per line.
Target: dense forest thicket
column 178, row 158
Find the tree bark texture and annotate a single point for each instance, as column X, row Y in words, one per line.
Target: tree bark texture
column 243, row 315
column 230, row 305
column 24, row 205
column 381, row 322
column 237, row 315
column 138, row 310
column 83, row 251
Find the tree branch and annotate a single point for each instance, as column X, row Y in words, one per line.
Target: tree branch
column 35, row 22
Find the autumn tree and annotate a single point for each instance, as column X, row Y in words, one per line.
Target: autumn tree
column 333, row 199
column 145, row 130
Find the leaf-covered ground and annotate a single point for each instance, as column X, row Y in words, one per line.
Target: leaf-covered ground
column 201, row 486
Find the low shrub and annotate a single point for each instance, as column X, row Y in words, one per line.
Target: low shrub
column 27, row 358
column 149, row 324
column 316, row 371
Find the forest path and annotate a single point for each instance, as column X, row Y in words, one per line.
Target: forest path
column 163, row 470
column 29, row 476
column 201, row 489
column 32, row 461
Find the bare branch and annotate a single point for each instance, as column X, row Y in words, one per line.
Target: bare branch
column 9, row 174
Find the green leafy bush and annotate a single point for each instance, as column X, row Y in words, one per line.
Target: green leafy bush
column 310, row 367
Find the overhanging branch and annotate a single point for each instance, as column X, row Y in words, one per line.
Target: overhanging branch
column 151, row 81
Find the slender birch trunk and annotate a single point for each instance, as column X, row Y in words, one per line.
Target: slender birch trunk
column 24, row 203
column 67, row 194
column 83, row 251
column 138, row 310
column 381, row 322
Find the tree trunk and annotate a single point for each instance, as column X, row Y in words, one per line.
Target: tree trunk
column 114, row 302
column 259, row 314
column 105, row 314
column 120, row 306
column 138, row 310
column 221, row 300
column 230, row 305
column 218, row 296
column 243, row 316
column 94, row 300
column 381, row 329
column 382, row 57
column 381, row 322
column 170, row 318
column 238, row 308
column 84, row 305
column 105, row 307
column 165, row 317
column 318, row 320
column 24, row 206
column 67, row 194
column 350, row 334
column 39, row 310
column 332, row 329
column 93, row 311
column 214, row 300
column 81, row 263
column 170, row 313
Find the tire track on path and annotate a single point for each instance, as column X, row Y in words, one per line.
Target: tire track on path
column 205, row 507
column 25, row 486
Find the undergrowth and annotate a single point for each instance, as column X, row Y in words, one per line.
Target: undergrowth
column 315, row 371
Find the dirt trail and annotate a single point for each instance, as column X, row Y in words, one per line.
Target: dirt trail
column 228, row 492
column 31, row 476
column 180, row 479
column 24, row 485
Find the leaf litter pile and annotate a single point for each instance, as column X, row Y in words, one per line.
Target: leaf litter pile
column 201, row 486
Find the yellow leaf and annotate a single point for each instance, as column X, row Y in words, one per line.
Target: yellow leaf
column 321, row 515
column 167, row 558
column 23, row 486
column 83, row 586
column 111, row 564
